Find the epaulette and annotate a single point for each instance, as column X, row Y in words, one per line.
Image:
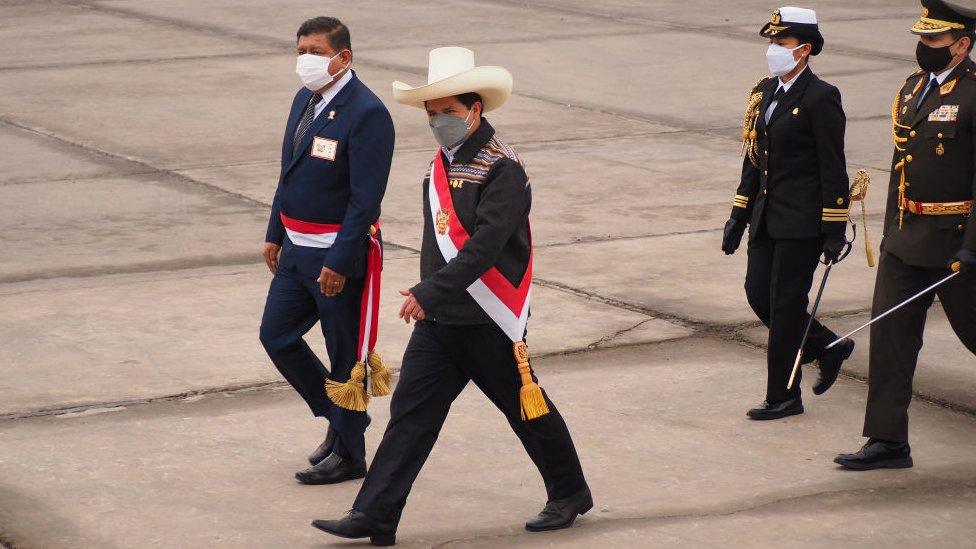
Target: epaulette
column 918, row 72
column 761, row 81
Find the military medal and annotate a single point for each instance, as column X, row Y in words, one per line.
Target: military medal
column 945, row 113
column 939, row 149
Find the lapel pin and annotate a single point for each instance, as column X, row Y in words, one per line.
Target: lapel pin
column 796, row 111
column 331, row 115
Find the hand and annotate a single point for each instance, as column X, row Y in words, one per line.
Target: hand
column 270, row 253
column 833, row 246
column 411, row 308
column 330, row 282
column 967, row 258
column 732, row 237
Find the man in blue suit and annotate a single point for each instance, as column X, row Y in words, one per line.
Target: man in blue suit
column 323, row 246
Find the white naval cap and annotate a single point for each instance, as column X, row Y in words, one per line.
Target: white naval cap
column 798, row 22
column 803, row 16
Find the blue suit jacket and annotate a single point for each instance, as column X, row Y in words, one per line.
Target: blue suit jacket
column 346, row 191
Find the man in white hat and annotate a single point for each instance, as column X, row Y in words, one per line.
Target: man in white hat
column 471, row 307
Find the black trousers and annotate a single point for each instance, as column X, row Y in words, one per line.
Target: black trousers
column 897, row 339
column 778, row 281
column 438, row 363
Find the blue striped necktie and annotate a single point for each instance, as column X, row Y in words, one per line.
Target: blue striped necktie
column 306, row 122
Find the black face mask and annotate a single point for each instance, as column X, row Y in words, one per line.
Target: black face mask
column 933, row 59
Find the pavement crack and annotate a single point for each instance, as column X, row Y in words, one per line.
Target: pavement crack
column 609, row 338
column 599, row 239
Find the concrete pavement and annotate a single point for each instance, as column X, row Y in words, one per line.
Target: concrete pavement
column 670, row 461
column 138, row 143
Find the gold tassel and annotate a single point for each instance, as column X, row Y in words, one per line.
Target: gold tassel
column 350, row 395
column 859, row 193
column 379, row 375
column 530, row 395
column 902, row 188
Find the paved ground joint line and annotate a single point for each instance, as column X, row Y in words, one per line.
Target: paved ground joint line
column 145, row 166
column 262, row 386
column 726, row 31
column 730, row 511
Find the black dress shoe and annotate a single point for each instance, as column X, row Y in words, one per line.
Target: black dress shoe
column 328, row 444
column 830, row 364
column 767, row 411
column 561, row 513
column 356, row 525
column 324, row 449
column 332, row 470
column 878, row 454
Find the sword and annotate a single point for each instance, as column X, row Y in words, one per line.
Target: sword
column 956, row 271
column 806, row 332
column 848, row 247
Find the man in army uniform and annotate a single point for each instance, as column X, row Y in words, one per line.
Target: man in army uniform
column 794, row 195
column 928, row 224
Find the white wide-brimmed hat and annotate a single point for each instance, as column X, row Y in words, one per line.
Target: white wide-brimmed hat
column 451, row 71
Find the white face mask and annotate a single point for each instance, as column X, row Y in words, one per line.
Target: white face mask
column 781, row 60
column 314, row 70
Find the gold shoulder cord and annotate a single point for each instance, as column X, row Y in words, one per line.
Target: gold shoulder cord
column 750, row 144
column 895, row 126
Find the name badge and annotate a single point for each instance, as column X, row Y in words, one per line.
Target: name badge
column 324, row 148
column 945, row 113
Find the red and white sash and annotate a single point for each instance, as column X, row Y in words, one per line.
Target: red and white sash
column 321, row 235
column 505, row 303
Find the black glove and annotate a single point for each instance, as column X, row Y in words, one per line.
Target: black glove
column 967, row 258
column 833, row 246
column 732, row 238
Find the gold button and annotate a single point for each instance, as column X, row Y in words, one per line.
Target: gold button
column 765, row 172
column 373, row 230
column 913, row 133
column 909, row 158
column 765, row 192
column 766, row 152
column 961, row 228
column 840, row 201
column 940, row 135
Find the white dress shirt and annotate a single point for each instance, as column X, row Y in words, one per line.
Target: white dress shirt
column 449, row 153
column 940, row 78
column 330, row 93
column 785, row 86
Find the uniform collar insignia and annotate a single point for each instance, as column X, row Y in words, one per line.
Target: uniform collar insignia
column 948, row 87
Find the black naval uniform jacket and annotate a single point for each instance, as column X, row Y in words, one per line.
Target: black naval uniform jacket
column 946, row 123
column 801, row 184
column 492, row 199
